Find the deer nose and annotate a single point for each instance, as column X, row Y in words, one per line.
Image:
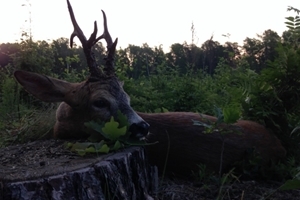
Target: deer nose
column 139, row 130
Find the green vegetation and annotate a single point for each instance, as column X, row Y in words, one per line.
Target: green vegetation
column 259, row 81
column 106, row 137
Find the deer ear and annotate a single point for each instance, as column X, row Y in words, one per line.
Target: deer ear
column 43, row 87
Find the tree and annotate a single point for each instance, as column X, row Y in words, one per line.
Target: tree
column 34, row 56
column 252, row 48
column 232, row 54
column 270, row 40
column 7, row 51
column 178, row 56
column 212, row 52
column 185, row 57
column 259, row 51
column 140, row 61
column 62, row 54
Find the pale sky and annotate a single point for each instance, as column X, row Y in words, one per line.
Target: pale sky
column 139, row 21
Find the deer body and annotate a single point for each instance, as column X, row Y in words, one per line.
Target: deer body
column 102, row 95
column 185, row 145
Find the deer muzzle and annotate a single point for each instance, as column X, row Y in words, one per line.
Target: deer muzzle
column 139, row 130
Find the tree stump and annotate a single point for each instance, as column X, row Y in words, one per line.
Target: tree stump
column 47, row 170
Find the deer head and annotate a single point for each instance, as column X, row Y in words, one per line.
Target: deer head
column 99, row 97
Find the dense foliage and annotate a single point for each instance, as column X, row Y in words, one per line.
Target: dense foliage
column 259, row 79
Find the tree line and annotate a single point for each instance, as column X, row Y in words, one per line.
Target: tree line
column 57, row 58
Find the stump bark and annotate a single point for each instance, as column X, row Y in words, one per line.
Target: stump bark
column 46, row 170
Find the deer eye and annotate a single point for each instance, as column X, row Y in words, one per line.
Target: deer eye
column 100, row 103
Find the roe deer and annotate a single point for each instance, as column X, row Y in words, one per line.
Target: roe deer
column 183, row 144
column 100, row 96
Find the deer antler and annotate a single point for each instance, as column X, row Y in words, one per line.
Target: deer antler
column 88, row 44
column 111, row 47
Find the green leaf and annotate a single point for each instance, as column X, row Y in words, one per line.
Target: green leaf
column 157, row 110
column 199, row 123
column 117, row 145
column 164, row 110
column 290, row 27
column 95, row 137
column 219, row 115
column 81, row 152
column 112, row 131
column 295, row 130
column 94, row 126
column 90, row 149
column 98, row 145
column 290, row 185
column 87, row 147
column 69, row 145
column 80, row 145
column 122, row 119
column 231, row 114
column 290, row 18
column 104, row 149
column 289, row 23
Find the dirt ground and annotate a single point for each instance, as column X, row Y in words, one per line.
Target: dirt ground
column 239, row 190
column 37, row 154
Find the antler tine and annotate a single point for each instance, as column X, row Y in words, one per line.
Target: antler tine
column 109, row 60
column 86, row 44
column 105, row 35
column 77, row 30
column 111, row 47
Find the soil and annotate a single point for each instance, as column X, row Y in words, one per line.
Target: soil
column 240, row 190
column 33, row 157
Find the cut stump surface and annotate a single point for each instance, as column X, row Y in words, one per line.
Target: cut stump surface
column 47, row 170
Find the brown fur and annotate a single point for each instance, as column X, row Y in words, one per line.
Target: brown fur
column 186, row 145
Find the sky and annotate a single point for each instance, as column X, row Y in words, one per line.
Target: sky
column 153, row 22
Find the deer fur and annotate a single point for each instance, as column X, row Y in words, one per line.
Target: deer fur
column 182, row 146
